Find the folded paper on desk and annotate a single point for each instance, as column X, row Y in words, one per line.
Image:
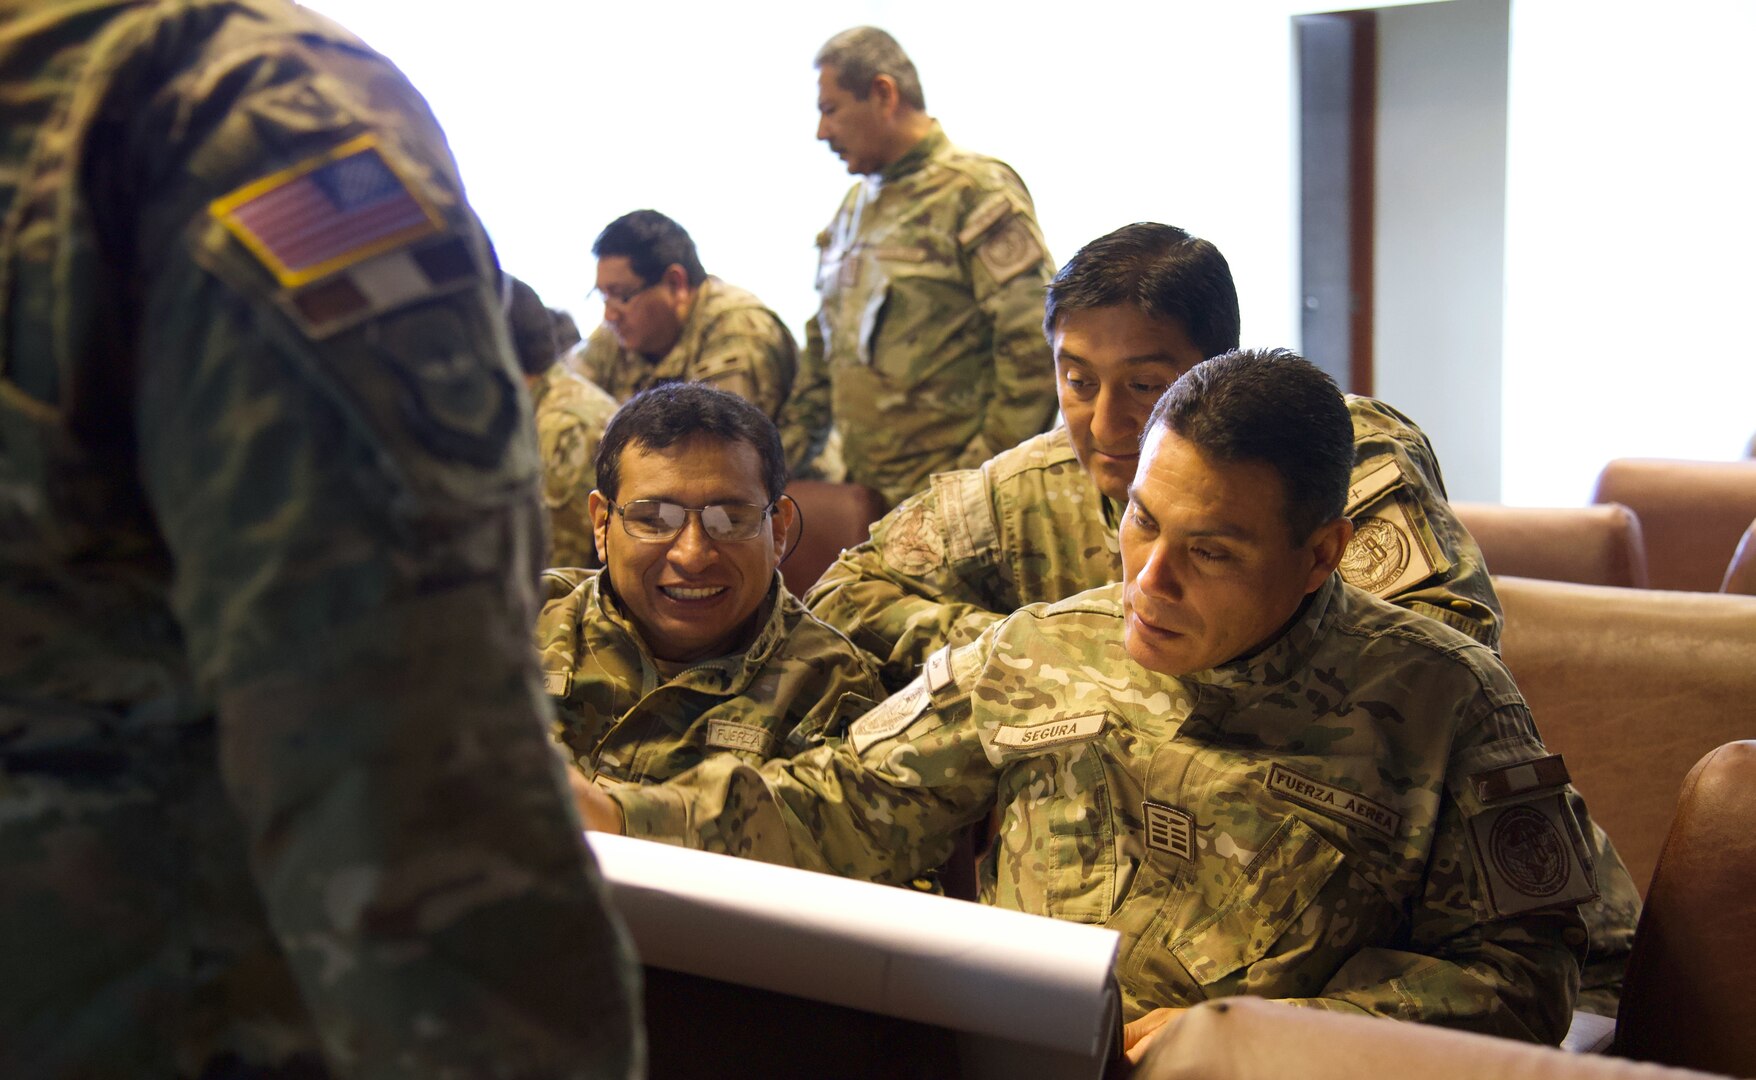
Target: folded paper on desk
column 1017, row 978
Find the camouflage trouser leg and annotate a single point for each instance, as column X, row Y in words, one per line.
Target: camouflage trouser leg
column 132, row 943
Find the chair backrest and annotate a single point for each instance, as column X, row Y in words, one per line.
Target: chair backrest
column 1689, row 999
column 836, row 516
column 1245, row 1038
column 1591, row 545
column 1691, row 514
column 1632, row 686
column 1741, row 574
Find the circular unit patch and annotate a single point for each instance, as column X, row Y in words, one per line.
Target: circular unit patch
column 1528, row 852
column 913, row 544
column 1376, row 556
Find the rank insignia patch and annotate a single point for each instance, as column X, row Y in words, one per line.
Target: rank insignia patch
column 326, row 213
column 1169, row 829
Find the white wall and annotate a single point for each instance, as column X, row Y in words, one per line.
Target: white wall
column 1630, row 238
column 564, row 115
column 1440, row 206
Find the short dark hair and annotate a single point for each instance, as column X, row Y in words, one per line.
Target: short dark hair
column 650, row 242
column 1276, row 407
column 864, row 53
column 1159, row 269
column 662, row 416
column 533, row 328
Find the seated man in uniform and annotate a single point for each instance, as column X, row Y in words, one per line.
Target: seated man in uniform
column 668, row 320
column 687, row 643
column 1127, row 315
column 571, row 412
column 1270, row 782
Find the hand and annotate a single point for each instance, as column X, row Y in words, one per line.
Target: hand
column 599, row 812
column 1138, row 1037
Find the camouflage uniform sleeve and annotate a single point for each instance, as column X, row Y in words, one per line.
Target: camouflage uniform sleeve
column 568, row 445
column 1009, row 270
column 805, row 419
column 1486, row 952
column 884, row 804
column 910, row 590
column 596, row 358
column 351, row 519
column 749, row 352
column 1409, row 547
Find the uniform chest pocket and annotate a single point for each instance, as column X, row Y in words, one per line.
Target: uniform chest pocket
column 1266, row 900
column 1057, row 836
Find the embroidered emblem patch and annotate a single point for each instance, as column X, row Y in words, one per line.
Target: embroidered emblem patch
column 1347, row 807
column 1169, row 830
column 1527, row 857
column 891, row 718
column 726, row 735
column 557, row 683
column 326, row 213
column 1528, row 852
column 1377, row 555
column 914, row 544
column 1010, row 250
column 1054, row 733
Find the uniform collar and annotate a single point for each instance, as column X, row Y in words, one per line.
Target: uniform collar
column 1265, row 671
column 918, row 155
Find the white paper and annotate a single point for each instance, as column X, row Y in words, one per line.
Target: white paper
column 968, row 967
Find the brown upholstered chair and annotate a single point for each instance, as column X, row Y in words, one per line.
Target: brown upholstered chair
column 1741, row 574
column 835, row 516
column 1632, row 686
column 1250, row 1039
column 1689, row 998
column 1691, row 514
column 1591, row 545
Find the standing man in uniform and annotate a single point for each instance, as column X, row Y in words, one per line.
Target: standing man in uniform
column 276, row 797
column 931, row 284
column 1268, row 781
column 668, row 320
column 571, row 412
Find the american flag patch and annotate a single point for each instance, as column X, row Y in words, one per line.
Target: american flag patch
column 326, row 213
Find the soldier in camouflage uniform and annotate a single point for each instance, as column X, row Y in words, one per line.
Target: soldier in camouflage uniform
column 668, row 320
column 931, row 280
column 571, row 412
column 275, row 793
column 687, row 645
column 1127, row 315
column 1268, row 781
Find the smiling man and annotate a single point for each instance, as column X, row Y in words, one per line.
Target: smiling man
column 666, row 319
column 1268, row 781
column 687, row 643
column 930, row 278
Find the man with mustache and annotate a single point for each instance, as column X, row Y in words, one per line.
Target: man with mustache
column 931, row 278
column 688, row 644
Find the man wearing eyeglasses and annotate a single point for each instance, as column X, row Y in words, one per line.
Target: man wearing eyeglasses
column 687, row 644
column 667, row 320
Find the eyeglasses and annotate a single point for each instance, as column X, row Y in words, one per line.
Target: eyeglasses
column 657, row 519
column 623, row 299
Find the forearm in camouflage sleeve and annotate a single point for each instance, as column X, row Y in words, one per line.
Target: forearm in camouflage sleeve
column 805, row 419
column 899, row 598
column 884, row 815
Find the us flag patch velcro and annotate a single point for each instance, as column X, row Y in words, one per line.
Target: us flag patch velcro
column 326, row 213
